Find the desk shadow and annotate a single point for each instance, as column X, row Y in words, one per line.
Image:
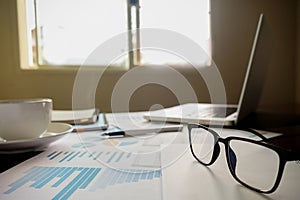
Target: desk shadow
column 241, row 191
column 9, row 160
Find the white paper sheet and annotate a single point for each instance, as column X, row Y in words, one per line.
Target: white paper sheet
column 87, row 167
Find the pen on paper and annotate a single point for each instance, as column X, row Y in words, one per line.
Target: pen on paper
column 85, row 129
column 115, row 131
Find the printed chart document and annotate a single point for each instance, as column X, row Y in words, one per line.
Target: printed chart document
column 87, row 166
column 90, row 166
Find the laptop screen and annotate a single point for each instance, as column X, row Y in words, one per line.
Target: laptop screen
column 256, row 71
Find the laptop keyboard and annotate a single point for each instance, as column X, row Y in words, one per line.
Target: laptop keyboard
column 218, row 112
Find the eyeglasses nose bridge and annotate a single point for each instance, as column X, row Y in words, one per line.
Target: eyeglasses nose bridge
column 232, row 158
column 215, row 153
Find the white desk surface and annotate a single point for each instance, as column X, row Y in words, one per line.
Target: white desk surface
column 185, row 178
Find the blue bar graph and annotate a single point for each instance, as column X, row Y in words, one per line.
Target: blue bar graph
column 57, row 154
column 51, row 154
column 76, row 154
column 128, row 143
column 83, row 177
column 83, row 153
column 92, row 154
column 111, row 157
column 68, row 173
column 67, row 156
column 105, row 156
column 111, row 177
column 98, row 155
column 120, row 157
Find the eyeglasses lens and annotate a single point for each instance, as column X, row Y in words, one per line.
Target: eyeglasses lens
column 254, row 164
column 202, row 142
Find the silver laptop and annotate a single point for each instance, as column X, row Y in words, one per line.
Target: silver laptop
column 228, row 115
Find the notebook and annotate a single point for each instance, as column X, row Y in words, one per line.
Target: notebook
column 228, row 115
column 86, row 116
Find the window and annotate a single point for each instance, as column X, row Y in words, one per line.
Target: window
column 65, row 32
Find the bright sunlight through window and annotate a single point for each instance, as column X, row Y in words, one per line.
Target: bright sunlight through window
column 65, row 32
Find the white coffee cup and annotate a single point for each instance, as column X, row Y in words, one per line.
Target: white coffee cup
column 25, row 118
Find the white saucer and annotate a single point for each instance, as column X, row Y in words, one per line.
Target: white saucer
column 54, row 132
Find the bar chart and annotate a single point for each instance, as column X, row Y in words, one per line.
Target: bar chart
column 92, row 141
column 104, row 156
column 41, row 177
column 69, row 180
column 114, row 142
column 112, row 177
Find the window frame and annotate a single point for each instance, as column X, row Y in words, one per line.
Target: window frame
column 133, row 57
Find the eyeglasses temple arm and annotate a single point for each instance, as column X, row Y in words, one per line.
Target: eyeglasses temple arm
column 256, row 133
column 293, row 156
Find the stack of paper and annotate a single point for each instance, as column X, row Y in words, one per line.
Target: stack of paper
column 82, row 120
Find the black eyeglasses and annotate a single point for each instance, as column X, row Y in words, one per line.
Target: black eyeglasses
column 258, row 165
